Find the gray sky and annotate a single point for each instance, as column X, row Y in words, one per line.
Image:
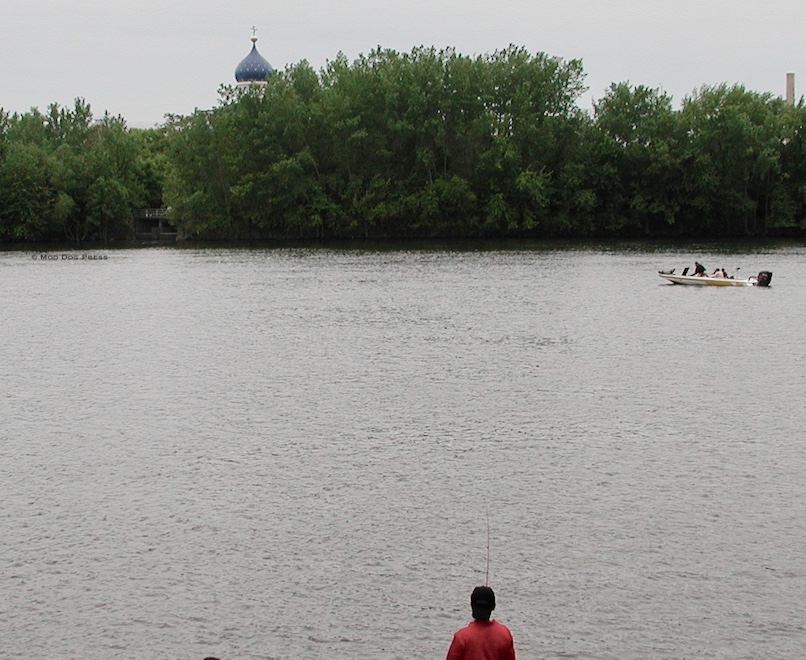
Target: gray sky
column 147, row 58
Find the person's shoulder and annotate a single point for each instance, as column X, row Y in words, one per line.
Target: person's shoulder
column 501, row 627
column 463, row 631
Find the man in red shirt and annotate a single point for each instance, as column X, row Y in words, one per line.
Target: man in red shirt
column 482, row 639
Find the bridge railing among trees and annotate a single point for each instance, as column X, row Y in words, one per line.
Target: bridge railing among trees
column 153, row 224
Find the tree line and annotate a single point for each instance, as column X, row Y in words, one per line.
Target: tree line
column 422, row 144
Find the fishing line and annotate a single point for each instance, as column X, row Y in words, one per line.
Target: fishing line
column 487, row 573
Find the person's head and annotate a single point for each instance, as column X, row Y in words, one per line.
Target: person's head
column 482, row 602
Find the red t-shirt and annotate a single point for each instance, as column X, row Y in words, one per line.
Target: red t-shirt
column 482, row 640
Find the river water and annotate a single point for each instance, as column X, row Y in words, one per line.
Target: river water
column 306, row 453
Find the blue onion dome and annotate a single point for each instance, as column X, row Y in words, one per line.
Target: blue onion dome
column 254, row 68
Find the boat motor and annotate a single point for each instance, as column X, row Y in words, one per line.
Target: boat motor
column 764, row 278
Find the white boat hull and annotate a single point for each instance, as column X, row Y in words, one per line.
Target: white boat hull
column 694, row 280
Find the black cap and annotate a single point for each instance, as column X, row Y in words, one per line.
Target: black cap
column 483, row 598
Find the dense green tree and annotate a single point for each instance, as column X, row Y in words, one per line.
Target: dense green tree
column 65, row 175
column 787, row 208
column 198, row 189
column 733, row 157
column 637, row 168
column 27, row 193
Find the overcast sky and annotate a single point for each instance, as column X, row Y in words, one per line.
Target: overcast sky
column 148, row 58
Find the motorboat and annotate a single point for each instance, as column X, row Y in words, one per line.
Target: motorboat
column 762, row 279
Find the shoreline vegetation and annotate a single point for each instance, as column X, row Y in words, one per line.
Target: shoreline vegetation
column 429, row 144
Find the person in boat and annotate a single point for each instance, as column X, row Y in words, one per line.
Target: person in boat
column 718, row 272
column 699, row 270
column 482, row 638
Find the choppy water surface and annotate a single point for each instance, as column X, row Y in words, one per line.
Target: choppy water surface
column 293, row 453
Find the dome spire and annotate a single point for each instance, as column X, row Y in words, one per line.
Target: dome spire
column 254, row 68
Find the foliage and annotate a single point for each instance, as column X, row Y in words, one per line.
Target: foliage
column 428, row 143
column 733, row 161
column 65, row 176
column 421, row 144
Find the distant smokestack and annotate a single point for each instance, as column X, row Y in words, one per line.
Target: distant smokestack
column 790, row 88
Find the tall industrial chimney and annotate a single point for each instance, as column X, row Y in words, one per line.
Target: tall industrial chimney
column 790, row 88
